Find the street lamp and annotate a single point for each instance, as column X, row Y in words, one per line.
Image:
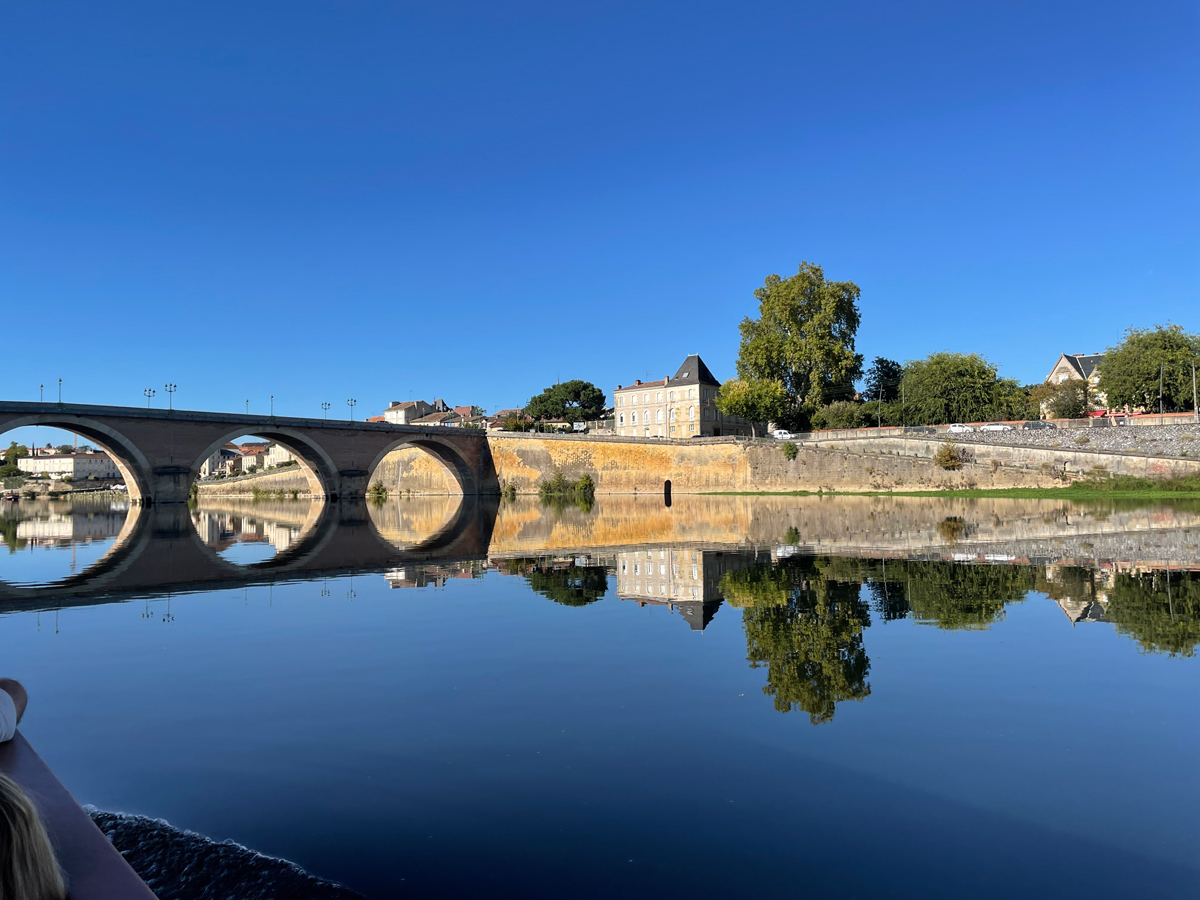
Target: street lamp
column 247, row 407
column 170, row 389
column 272, row 406
column 149, row 392
column 352, row 403
column 60, row 392
column 41, row 393
column 325, row 406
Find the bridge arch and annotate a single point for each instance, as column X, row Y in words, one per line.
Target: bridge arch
column 130, row 461
column 445, row 452
column 320, row 471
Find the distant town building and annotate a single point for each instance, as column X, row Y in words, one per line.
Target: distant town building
column 681, row 406
column 225, row 461
column 407, row 412
column 277, row 455
column 76, row 466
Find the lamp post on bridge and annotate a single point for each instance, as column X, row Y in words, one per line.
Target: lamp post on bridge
column 272, row 406
column 149, row 392
column 351, row 403
column 247, row 407
column 325, row 407
column 170, row 389
column 60, row 393
column 41, row 393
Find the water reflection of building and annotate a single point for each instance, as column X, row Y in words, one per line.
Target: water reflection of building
column 684, row 579
column 420, row 576
column 57, row 528
column 1081, row 593
column 221, row 530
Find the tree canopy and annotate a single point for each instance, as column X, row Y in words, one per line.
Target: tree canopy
column 883, row 379
column 1129, row 372
column 755, row 400
column 14, row 452
column 804, row 339
column 571, row 401
column 959, row 387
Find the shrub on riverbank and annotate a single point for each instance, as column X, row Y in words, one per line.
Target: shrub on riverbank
column 560, row 490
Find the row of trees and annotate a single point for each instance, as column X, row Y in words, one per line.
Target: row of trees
column 797, row 366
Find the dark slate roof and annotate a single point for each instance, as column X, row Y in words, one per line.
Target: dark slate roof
column 694, row 371
column 1085, row 363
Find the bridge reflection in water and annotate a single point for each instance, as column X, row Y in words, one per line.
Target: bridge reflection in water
column 953, row 563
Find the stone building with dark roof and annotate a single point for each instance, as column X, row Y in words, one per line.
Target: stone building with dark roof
column 1079, row 367
column 680, row 406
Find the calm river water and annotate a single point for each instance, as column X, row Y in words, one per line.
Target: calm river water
column 729, row 697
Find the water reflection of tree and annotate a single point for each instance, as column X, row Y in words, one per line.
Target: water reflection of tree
column 569, row 585
column 8, row 534
column 954, row 595
column 1161, row 613
column 807, row 630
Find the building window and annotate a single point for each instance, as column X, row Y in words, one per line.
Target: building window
column 691, row 413
column 633, row 417
column 673, row 417
column 659, row 417
column 672, row 429
column 647, row 432
column 645, row 398
column 671, row 395
column 692, row 429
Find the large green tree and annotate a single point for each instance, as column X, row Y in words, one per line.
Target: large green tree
column 14, row 452
column 1129, row 372
column 959, row 387
column 804, row 339
column 756, row 401
column 571, row 401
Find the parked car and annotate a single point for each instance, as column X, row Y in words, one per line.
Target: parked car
column 960, row 428
column 1037, row 425
column 781, row 434
column 995, row 426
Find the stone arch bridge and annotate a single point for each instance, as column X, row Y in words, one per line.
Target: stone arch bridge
column 159, row 452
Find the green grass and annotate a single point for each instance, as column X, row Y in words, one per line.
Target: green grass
column 1119, row 487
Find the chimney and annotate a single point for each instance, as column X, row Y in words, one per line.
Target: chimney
column 636, row 383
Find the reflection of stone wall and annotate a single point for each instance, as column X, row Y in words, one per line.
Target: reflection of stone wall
column 843, row 525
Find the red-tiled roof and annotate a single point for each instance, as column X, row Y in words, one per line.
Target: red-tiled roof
column 376, row 419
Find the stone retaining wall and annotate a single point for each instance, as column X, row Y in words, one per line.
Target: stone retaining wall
column 628, row 466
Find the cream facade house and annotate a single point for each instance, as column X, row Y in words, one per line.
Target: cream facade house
column 76, row 466
column 682, row 406
column 1080, row 367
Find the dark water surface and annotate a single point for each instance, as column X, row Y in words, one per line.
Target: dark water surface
column 825, row 697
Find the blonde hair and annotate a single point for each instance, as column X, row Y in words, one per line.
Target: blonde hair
column 28, row 869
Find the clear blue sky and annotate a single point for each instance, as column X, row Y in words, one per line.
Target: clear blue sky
column 469, row 201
